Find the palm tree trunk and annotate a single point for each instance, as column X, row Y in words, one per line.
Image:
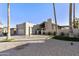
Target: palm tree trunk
column 55, row 17
column 70, row 19
column 8, row 21
column 74, row 15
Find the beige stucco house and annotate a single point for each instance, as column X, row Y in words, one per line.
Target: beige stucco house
column 24, row 28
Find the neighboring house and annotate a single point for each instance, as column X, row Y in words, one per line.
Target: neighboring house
column 13, row 31
column 4, row 31
column 24, row 29
column 36, row 29
column 44, row 28
column 48, row 27
column 1, row 26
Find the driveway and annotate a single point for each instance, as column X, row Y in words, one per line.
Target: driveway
column 49, row 47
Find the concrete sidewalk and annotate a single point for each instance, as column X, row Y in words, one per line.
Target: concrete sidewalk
column 32, row 37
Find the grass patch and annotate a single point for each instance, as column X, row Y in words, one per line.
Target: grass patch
column 8, row 40
column 65, row 38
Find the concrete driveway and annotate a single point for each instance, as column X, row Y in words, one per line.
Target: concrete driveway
column 50, row 47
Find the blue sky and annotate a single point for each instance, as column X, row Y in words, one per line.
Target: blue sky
column 35, row 13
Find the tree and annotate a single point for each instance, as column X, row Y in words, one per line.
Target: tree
column 55, row 17
column 8, row 20
column 70, row 19
column 74, row 25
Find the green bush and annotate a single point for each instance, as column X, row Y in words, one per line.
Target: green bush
column 66, row 38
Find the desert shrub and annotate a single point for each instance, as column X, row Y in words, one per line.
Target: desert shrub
column 66, row 38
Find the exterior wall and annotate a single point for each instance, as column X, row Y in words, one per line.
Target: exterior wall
column 35, row 29
column 48, row 26
column 29, row 29
column 20, row 29
column 24, row 29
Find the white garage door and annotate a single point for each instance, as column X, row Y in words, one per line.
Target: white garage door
column 21, row 31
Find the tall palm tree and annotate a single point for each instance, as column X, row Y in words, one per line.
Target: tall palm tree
column 70, row 19
column 74, row 15
column 55, row 17
column 8, row 20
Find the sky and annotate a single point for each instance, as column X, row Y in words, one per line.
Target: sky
column 35, row 13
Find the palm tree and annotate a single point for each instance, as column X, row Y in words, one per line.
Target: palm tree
column 74, row 15
column 70, row 19
column 55, row 17
column 8, row 21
